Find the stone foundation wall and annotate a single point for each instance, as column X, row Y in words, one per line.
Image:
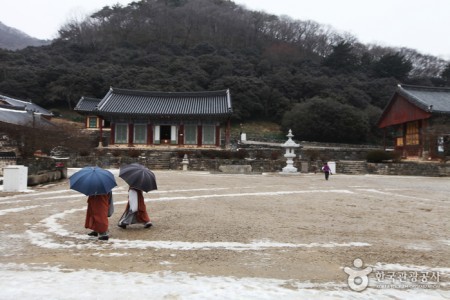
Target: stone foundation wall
column 214, row 165
column 260, row 160
column 431, row 169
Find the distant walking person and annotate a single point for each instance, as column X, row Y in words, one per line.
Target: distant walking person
column 136, row 211
column 326, row 169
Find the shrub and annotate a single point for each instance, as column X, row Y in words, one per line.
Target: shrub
column 377, row 156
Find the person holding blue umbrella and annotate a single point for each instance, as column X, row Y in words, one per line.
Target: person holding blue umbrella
column 97, row 216
column 97, row 184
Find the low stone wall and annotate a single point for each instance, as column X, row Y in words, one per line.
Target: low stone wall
column 312, row 151
column 256, row 165
column 259, row 160
column 47, row 176
column 431, row 169
column 236, row 169
column 334, row 154
column 38, row 164
column 43, row 170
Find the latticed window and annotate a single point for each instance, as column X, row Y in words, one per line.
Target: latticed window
column 92, row 121
column 412, row 133
column 209, row 134
column 190, row 134
column 140, row 134
column 121, row 133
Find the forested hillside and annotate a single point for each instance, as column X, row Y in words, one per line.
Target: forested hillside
column 324, row 85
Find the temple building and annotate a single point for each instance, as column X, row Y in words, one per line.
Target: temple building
column 137, row 118
column 417, row 119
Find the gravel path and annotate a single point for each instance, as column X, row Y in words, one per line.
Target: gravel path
column 289, row 227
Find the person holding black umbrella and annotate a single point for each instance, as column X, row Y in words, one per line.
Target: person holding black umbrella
column 140, row 179
column 136, row 211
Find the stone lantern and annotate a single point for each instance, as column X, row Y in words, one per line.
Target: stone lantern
column 290, row 146
column 185, row 162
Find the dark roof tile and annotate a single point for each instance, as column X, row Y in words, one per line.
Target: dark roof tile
column 427, row 98
column 132, row 102
column 26, row 105
column 87, row 104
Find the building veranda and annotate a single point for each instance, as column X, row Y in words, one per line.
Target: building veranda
column 134, row 118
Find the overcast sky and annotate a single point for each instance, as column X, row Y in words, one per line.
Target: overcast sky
column 417, row 24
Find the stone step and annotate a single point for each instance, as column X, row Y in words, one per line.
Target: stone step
column 352, row 167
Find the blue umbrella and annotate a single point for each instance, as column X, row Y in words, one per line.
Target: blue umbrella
column 92, row 181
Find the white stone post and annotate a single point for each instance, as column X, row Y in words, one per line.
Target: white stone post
column 15, row 178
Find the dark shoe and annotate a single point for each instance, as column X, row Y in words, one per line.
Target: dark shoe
column 93, row 233
column 148, row 225
column 122, row 226
column 103, row 238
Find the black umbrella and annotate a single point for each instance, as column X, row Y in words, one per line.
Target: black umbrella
column 139, row 177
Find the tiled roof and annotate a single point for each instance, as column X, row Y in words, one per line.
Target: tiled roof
column 432, row 99
column 24, row 105
column 133, row 102
column 86, row 104
column 24, row 118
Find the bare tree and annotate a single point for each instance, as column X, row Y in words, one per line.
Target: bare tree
column 29, row 139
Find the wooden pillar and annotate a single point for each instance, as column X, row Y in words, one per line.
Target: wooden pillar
column 149, row 134
column 199, row 135
column 218, row 135
column 228, row 134
column 425, row 138
column 405, row 153
column 130, row 134
column 421, row 139
column 181, row 135
column 100, row 120
column 113, row 133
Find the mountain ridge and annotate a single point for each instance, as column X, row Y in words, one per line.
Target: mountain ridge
column 14, row 39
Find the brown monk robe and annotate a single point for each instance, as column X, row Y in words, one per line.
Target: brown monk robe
column 97, row 216
column 136, row 211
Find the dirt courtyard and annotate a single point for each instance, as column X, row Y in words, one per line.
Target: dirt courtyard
column 297, row 228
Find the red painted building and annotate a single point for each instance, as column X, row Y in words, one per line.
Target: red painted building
column 417, row 120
